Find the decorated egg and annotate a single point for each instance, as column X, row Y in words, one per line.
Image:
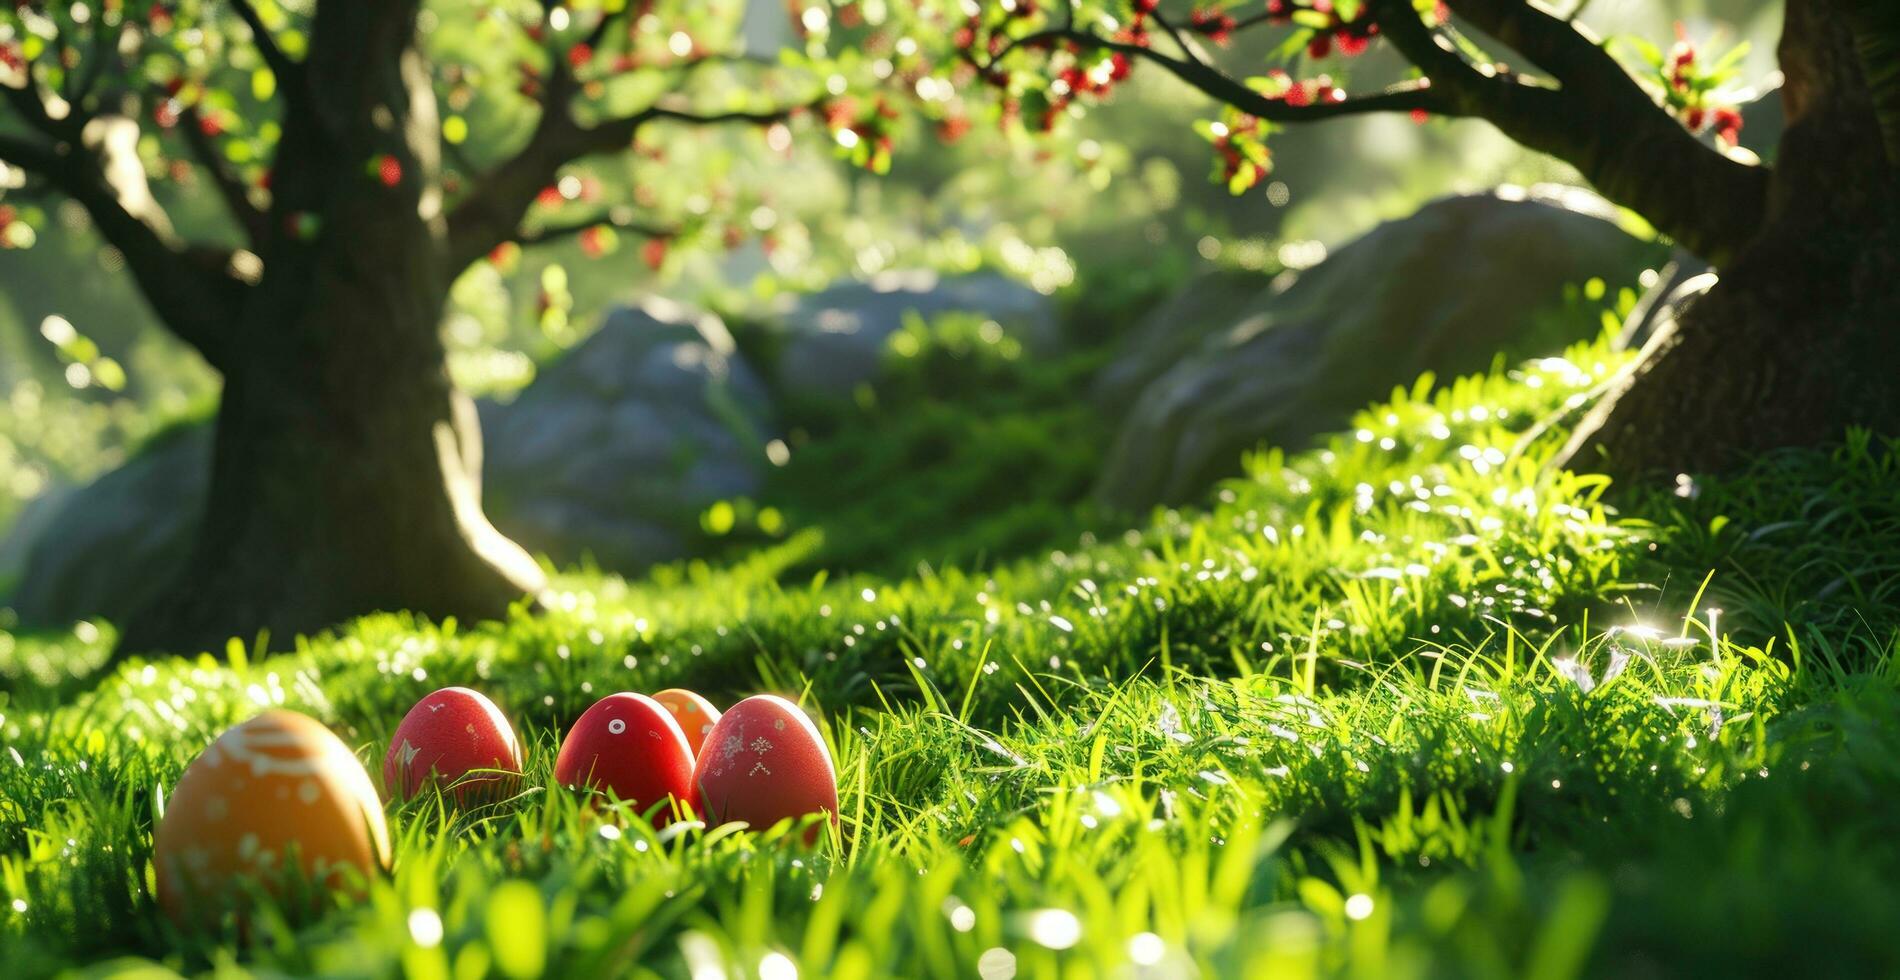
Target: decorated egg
column 628, row 744
column 763, row 762
column 695, row 714
column 449, row 737
column 276, row 792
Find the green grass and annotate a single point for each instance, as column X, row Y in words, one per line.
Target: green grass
column 1335, row 723
column 964, row 452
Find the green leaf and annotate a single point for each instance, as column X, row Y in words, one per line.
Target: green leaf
column 1649, row 53
column 1245, row 176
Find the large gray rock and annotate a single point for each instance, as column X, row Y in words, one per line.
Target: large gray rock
column 105, row 548
column 617, row 448
column 1172, row 330
column 834, row 338
column 1445, row 290
column 612, row 452
column 17, row 538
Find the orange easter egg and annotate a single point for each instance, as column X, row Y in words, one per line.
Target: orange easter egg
column 696, row 715
column 277, row 789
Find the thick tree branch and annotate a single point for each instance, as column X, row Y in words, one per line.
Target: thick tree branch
column 1599, row 121
column 29, row 155
column 194, row 290
column 1561, row 47
column 26, row 102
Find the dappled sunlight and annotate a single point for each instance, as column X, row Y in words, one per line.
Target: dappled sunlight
column 996, row 488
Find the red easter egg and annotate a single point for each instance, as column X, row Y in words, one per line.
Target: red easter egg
column 628, row 744
column 764, row 761
column 446, row 737
column 695, row 714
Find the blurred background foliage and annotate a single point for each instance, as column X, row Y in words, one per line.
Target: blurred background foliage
column 1109, row 214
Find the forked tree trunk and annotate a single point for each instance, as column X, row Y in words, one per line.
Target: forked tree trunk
column 1801, row 337
column 346, row 471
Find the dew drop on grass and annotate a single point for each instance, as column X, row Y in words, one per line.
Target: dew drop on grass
column 777, row 966
column 1055, row 928
column 996, row 963
column 425, row 927
column 962, row 917
column 1146, row 948
column 1359, row 907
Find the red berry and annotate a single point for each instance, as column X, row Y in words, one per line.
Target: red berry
column 389, row 170
column 593, row 242
column 654, row 253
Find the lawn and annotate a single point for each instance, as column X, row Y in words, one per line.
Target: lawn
column 1404, row 705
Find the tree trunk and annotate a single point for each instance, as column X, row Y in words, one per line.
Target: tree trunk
column 1801, row 337
column 345, row 480
column 346, row 475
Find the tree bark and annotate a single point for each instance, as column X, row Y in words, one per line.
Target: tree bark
column 346, row 473
column 1801, row 337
